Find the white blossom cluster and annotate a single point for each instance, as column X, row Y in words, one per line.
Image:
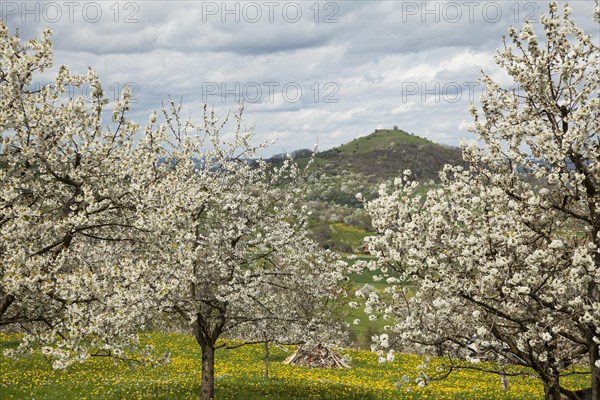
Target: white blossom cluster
column 69, row 196
column 501, row 261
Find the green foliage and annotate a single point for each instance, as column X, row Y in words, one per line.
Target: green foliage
column 350, row 235
column 318, row 163
column 338, row 236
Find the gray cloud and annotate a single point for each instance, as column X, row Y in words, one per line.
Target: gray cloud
column 332, row 71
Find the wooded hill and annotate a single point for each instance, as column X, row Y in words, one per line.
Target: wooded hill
column 384, row 154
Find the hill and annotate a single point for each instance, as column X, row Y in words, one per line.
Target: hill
column 382, row 155
column 385, row 153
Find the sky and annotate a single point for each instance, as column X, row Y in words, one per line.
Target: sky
column 307, row 71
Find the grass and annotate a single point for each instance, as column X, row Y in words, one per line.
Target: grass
column 351, row 235
column 239, row 376
column 379, row 140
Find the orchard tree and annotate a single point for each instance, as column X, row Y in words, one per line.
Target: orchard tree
column 504, row 255
column 103, row 227
column 228, row 233
column 72, row 275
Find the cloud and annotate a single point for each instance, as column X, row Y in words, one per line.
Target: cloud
column 331, row 70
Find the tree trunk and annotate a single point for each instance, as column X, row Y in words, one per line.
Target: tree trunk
column 266, row 359
column 552, row 390
column 5, row 302
column 207, row 391
column 207, row 339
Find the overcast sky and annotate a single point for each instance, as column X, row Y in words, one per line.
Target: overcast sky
column 306, row 70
